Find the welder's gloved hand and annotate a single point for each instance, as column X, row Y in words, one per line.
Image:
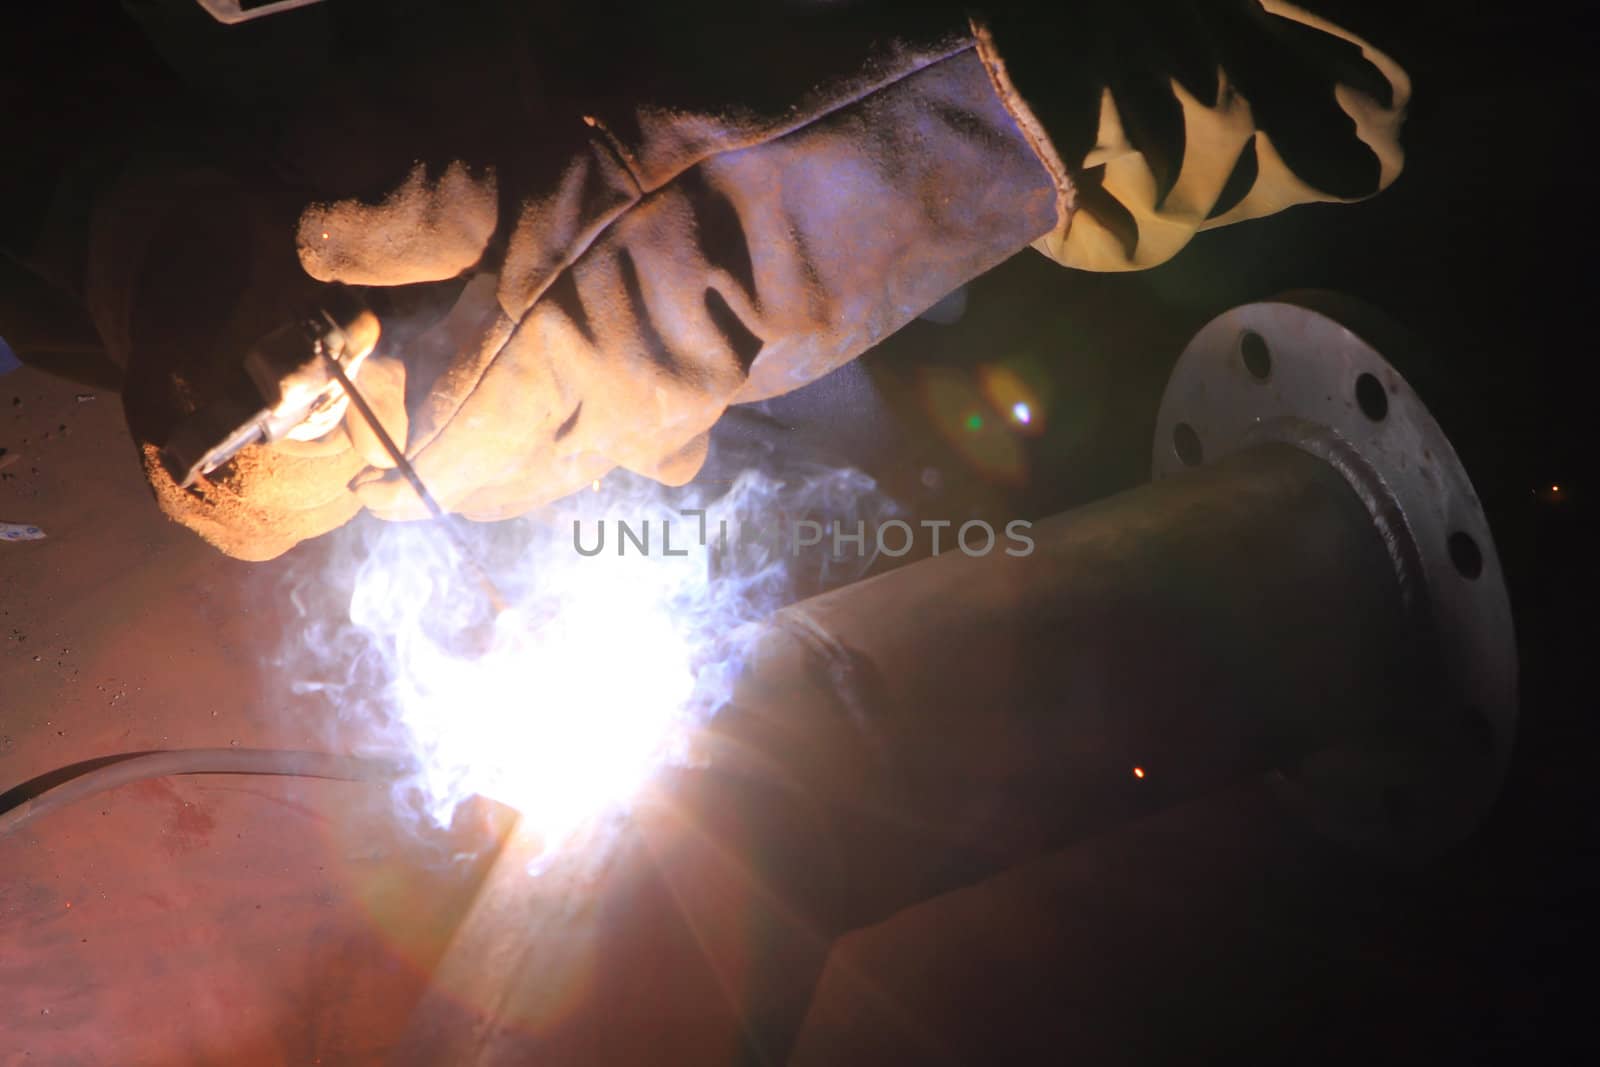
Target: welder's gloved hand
column 679, row 257
column 638, row 263
column 686, row 257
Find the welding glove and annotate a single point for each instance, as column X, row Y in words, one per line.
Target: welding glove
column 642, row 262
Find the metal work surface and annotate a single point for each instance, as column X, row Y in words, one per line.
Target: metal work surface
column 197, row 920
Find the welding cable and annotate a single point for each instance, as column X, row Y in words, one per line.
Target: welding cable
column 79, row 781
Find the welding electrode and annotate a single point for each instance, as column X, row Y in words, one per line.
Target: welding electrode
column 403, row 464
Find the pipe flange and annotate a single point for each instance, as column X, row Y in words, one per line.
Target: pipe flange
column 1292, row 374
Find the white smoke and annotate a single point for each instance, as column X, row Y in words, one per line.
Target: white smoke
column 566, row 703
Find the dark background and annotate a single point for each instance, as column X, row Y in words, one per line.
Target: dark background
column 1226, row 939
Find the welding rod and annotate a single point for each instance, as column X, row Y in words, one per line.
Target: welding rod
column 445, row 520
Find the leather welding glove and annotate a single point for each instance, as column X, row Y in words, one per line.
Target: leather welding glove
column 644, row 261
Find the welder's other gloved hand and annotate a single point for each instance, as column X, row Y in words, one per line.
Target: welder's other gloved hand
column 1166, row 118
column 729, row 230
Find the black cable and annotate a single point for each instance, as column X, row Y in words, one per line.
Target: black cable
column 67, row 785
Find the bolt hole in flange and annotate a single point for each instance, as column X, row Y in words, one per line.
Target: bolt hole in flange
column 1371, row 397
column 1255, row 355
column 1186, row 443
column 1466, row 555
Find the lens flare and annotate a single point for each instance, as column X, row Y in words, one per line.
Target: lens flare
column 1008, row 391
column 955, row 408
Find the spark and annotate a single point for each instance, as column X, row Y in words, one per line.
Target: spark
column 1138, row 772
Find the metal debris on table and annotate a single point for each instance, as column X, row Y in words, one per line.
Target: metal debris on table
column 16, row 531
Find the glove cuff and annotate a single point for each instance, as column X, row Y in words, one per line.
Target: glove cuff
column 1033, row 130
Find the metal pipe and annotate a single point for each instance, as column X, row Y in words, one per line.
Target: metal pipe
column 966, row 713
column 938, row 724
column 933, row 726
